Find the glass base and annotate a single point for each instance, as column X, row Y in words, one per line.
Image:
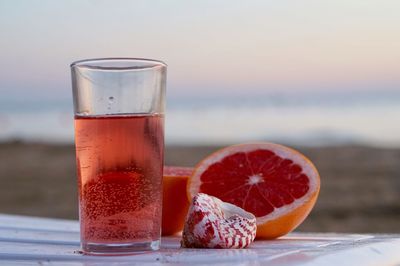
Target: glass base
column 119, row 249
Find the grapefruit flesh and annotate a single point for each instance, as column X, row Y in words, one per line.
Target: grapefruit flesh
column 175, row 202
column 275, row 183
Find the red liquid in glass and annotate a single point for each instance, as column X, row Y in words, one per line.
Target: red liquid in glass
column 119, row 163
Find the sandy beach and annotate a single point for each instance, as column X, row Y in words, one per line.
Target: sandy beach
column 360, row 185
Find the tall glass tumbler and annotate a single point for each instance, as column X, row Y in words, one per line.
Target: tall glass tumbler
column 119, row 138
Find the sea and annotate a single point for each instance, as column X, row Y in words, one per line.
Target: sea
column 293, row 118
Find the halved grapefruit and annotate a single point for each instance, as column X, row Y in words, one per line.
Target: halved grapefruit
column 277, row 184
column 175, row 202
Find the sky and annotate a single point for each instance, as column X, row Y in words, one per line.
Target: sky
column 212, row 47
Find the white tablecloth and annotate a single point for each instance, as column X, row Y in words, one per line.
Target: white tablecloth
column 41, row 241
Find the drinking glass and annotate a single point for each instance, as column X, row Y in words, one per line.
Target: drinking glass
column 119, row 139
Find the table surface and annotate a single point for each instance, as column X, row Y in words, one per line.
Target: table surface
column 40, row 241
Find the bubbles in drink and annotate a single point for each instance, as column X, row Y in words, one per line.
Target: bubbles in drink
column 120, row 193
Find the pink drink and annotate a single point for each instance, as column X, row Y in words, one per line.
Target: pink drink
column 119, row 163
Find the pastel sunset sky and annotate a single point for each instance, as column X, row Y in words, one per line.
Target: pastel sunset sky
column 222, row 47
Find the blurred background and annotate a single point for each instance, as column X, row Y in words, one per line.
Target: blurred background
column 320, row 76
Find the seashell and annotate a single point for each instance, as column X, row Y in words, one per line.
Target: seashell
column 212, row 223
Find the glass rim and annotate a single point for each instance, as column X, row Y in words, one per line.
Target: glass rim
column 95, row 63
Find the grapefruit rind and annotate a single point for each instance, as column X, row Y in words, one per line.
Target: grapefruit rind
column 175, row 204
